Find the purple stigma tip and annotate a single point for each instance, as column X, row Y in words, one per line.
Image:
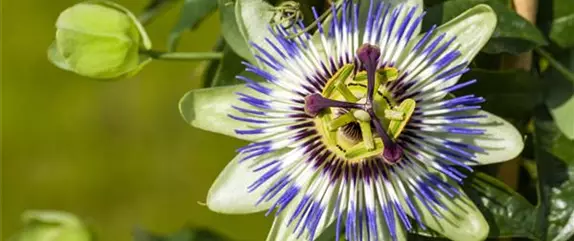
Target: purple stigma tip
column 369, row 54
column 314, row 103
column 392, row 154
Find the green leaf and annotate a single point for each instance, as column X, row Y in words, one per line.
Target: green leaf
column 229, row 67
column 231, row 29
column 211, row 68
column 513, row 34
column 208, row 109
column 184, row 234
column 329, row 234
column 560, row 94
column 191, row 15
column 555, row 161
column 508, row 213
column 562, row 27
column 518, row 90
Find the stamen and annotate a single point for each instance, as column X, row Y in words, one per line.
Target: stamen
column 341, row 121
column 315, row 103
column 394, row 115
column 367, row 135
column 406, row 108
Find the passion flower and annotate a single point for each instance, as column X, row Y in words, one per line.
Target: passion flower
column 356, row 127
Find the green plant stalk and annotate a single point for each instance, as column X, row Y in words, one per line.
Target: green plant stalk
column 182, row 56
column 154, row 9
column 556, row 64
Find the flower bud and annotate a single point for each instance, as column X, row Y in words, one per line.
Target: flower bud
column 99, row 39
column 52, row 226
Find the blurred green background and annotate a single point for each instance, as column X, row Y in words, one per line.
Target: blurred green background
column 115, row 153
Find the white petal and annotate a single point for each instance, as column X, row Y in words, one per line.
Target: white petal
column 229, row 194
column 501, row 141
column 461, row 219
column 208, row 109
column 410, row 3
column 473, row 29
column 280, row 231
column 438, row 62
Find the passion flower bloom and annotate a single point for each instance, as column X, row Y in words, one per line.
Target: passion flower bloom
column 356, row 129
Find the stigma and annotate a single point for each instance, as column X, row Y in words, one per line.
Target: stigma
column 350, row 104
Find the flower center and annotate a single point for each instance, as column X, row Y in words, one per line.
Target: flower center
column 353, row 103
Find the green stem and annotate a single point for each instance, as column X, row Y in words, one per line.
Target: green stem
column 556, row 64
column 183, row 56
column 154, row 9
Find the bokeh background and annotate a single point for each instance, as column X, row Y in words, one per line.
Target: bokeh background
column 115, row 153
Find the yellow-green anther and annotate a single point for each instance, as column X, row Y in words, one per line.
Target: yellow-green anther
column 367, row 134
column 341, row 121
column 360, row 151
column 407, row 107
column 339, row 77
column 345, row 92
column 388, row 73
column 394, row 115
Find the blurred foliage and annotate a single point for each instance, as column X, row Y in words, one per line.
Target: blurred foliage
column 507, row 212
column 192, row 13
column 120, row 155
column 562, row 23
column 518, row 89
column 555, row 161
column 52, row 226
column 513, row 34
column 185, row 234
column 117, row 154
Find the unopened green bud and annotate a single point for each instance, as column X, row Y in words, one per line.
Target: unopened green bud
column 52, row 226
column 99, row 39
